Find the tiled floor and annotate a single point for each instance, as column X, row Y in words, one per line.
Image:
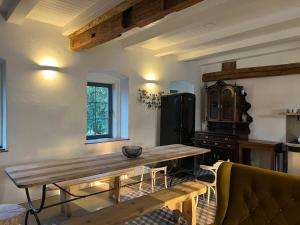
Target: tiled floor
column 205, row 213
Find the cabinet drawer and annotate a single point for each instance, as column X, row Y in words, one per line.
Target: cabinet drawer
column 226, row 139
column 228, row 145
column 202, row 143
column 202, row 136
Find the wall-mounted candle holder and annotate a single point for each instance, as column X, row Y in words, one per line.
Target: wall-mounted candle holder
column 151, row 100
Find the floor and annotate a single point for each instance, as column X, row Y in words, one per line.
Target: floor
column 205, row 213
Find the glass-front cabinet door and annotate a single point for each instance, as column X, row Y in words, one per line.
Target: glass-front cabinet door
column 227, row 104
column 213, row 103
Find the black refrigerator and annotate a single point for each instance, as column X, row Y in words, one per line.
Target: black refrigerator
column 177, row 122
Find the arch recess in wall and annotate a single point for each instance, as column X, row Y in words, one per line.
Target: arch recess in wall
column 120, row 84
column 182, row 86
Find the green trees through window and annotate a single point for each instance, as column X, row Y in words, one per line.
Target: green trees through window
column 99, row 111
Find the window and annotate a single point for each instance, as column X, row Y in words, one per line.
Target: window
column 99, row 111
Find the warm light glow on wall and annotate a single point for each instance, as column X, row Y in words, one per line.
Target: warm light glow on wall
column 48, row 62
column 150, row 86
column 49, row 67
column 150, row 82
column 49, row 74
column 151, row 77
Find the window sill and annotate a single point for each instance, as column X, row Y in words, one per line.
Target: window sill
column 104, row 140
column 2, row 150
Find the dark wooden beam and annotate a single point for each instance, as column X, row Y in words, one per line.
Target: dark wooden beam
column 125, row 16
column 229, row 66
column 231, row 73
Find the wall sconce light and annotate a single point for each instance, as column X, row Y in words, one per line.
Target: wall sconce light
column 150, row 84
column 49, row 68
column 49, row 72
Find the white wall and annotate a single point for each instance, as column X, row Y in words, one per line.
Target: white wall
column 47, row 119
column 268, row 96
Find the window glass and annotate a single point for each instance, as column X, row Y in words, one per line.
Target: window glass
column 99, row 110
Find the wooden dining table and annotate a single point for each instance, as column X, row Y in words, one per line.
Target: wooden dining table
column 53, row 172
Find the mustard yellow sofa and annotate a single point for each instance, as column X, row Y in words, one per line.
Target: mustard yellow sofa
column 253, row 196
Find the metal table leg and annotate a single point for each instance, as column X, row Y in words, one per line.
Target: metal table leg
column 32, row 210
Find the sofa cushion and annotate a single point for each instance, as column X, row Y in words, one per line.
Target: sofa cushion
column 260, row 197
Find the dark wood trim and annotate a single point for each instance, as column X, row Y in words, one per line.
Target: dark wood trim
column 105, row 140
column 123, row 17
column 252, row 72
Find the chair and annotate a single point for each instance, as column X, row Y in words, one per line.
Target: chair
column 153, row 171
column 249, row 195
column 211, row 186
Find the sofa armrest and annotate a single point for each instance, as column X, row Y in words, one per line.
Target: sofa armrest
column 223, row 191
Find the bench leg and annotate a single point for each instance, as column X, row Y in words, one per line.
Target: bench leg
column 111, row 186
column 189, row 211
column 115, row 184
column 177, row 211
column 65, row 208
column 117, row 187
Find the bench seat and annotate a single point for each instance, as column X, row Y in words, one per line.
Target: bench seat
column 180, row 198
column 106, row 177
column 73, row 185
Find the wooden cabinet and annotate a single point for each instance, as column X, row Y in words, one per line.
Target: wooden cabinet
column 227, row 103
column 227, row 99
column 213, row 104
column 223, row 146
column 227, row 122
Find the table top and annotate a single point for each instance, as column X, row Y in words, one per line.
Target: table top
column 48, row 172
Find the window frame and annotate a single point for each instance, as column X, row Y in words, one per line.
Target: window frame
column 3, row 144
column 110, row 110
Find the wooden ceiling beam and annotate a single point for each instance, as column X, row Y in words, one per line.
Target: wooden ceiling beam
column 229, row 72
column 125, row 16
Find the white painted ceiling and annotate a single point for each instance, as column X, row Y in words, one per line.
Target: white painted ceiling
column 59, row 12
column 212, row 29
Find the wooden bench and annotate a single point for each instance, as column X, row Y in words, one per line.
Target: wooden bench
column 180, row 198
column 11, row 214
column 113, row 179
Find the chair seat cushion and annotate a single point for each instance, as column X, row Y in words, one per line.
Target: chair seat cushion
column 205, row 176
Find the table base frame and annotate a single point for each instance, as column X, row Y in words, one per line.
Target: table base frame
column 35, row 211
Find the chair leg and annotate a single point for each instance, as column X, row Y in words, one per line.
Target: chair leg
column 142, row 178
column 208, row 196
column 152, row 184
column 215, row 193
column 166, row 178
column 154, row 178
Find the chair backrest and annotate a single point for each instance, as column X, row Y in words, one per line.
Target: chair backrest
column 249, row 195
column 216, row 167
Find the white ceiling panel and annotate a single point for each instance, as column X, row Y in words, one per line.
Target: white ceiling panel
column 59, row 12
